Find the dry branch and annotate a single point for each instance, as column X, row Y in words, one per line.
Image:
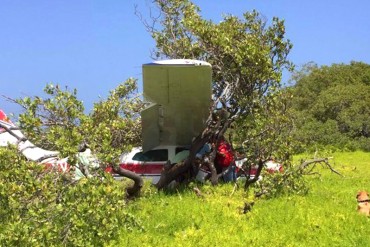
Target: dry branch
column 319, row 160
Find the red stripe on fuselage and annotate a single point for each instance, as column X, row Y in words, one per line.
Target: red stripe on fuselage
column 143, row 169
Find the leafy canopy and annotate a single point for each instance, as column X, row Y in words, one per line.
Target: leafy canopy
column 58, row 121
column 332, row 105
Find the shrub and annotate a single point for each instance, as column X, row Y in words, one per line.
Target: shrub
column 277, row 184
column 45, row 208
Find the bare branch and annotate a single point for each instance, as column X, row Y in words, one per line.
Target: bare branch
column 319, row 160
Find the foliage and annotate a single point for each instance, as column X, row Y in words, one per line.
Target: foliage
column 266, row 132
column 114, row 125
column 332, row 105
column 51, row 123
column 217, row 219
column 246, row 56
column 44, row 207
column 40, row 207
column 291, row 182
column 59, row 122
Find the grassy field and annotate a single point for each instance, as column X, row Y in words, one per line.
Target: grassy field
column 326, row 216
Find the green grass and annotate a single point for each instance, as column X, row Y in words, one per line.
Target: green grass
column 326, row 216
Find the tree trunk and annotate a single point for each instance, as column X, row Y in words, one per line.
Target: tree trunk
column 138, row 180
column 248, row 182
column 170, row 173
column 212, row 168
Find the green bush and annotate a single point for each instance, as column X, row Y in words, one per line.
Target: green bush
column 331, row 106
column 291, row 182
column 40, row 207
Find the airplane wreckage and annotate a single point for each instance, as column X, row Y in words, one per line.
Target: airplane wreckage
column 179, row 95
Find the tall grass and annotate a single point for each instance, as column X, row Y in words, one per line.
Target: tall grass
column 326, row 216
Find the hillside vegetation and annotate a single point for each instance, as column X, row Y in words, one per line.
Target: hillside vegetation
column 332, row 106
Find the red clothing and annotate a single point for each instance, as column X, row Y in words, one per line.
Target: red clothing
column 224, row 155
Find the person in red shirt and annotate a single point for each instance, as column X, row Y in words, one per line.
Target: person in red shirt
column 225, row 160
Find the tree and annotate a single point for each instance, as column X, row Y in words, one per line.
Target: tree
column 247, row 57
column 58, row 122
column 332, row 105
column 46, row 207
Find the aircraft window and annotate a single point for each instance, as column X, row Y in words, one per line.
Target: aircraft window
column 152, row 155
column 140, row 157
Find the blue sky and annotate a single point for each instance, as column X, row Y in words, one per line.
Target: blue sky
column 95, row 45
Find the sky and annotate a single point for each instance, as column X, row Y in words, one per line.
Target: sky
column 93, row 46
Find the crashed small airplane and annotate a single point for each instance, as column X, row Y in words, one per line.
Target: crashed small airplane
column 179, row 95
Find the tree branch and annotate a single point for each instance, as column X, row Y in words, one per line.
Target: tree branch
column 318, row 160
